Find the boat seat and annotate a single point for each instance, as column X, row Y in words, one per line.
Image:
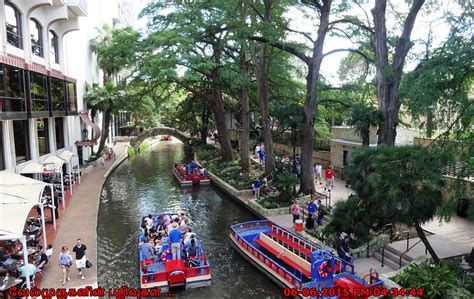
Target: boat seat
column 284, row 254
column 290, row 243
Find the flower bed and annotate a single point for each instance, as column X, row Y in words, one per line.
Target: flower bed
column 229, row 172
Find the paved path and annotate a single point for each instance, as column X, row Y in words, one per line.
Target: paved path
column 459, row 230
column 80, row 221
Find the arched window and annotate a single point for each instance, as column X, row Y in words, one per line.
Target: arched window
column 36, row 32
column 54, row 45
column 13, row 25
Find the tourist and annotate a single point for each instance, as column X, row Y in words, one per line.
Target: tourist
column 147, row 250
column 261, row 155
column 49, row 251
column 173, row 225
column 149, row 221
column 257, row 149
column 188, row 237
column 318, row 169
column 329, row 176
column 295, row 210
column 309, row 222
column 102, row 161
column 80, row 252
column 28, row 269
column 191, row 249
column 65, row 262
column 175, row 239
column 320, row 215
column 42, row 259
column 312, row 208
column 344, row 249
column 256, row 188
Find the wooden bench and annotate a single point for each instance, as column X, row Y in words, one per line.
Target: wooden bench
column 291, row 243
column 284, row 254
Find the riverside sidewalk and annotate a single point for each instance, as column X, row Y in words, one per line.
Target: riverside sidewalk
column 80, row 221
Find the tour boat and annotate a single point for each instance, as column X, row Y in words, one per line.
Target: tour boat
column 190, row 179
column 165, row 273
column 294, row 263
column 165, row 138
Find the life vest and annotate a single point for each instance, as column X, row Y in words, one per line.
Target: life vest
column 164, row 255
column 323, row 272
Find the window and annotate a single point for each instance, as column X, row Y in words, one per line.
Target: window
column 12, row 89
column 58, row 124
column 13, row 25
column 57, row 94
column 71, row 97
column 20, row 135
column 39, row 92
column 36, row 38
column 54, row 46
column 43, row 140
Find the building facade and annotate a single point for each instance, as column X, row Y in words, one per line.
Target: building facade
column 45, row 62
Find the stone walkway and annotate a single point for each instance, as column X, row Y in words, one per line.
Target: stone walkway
column 80, row 221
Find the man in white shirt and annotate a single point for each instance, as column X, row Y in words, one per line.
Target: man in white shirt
column 319, row 169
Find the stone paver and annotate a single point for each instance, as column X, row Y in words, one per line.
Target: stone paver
column 459, row 230
column 443, row 247
column 80, row 221
column 363, row 266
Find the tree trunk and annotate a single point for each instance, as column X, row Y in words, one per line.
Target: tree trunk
column 93, row 114
column 105, row 129
column 388, row 75
column 261, row 73
column 245, row 129
column 422, row 236
column 204, row 125
column 366, row 139
column 429, row 124
column 217, row 104
column 314, row 65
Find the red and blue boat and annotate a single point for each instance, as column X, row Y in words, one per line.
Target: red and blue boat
column 187, row 178
column 297, row 264
column 165, row 273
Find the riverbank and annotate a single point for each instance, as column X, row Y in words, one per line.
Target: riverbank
column 79, row 220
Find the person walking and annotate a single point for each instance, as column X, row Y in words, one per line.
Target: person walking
column 80, row 252
column 261, row 155
column 295, row 210
column 65, row 262
column 329, row 176
column 319, row 168
column 256, row 188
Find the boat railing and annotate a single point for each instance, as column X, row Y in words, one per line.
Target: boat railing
column 153, row 277
column 295, row 239
column 198, row 271
column 285, row 274
column 343, row 265
column 251, row 224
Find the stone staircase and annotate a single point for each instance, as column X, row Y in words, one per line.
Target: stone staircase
column 392, row 257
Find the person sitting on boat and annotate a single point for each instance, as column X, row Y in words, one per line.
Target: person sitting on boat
column 144, row 230
column 148, row 251
column 325, row 269
column 202, row 171
column 193, row 165
column 344, row 249
column 149, row 221
column 189, row 238
column 183, row 226
column 191, row 249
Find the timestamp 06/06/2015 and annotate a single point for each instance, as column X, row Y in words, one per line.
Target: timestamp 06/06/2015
column 323, row 292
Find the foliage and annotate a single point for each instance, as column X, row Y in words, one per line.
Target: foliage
column 230, row 172
column 437, row 282
column 363, row 118
column 285, row 181
column 349, row 216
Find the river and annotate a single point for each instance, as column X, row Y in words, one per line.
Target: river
column 144, row 184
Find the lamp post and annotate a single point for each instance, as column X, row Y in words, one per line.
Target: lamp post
column 84, row 134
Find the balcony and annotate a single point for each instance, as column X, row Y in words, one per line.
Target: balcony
column 79, row 7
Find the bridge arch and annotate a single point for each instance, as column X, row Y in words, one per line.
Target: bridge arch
column 183, row 137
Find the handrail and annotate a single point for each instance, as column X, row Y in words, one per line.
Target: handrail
column 401, row 256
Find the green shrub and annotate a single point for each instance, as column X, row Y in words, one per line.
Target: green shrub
column 437, row 282
column 285, row 181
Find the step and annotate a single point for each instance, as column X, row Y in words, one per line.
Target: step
column 395, row 256
column 396, row 252
column 390, row 259
column 388, row 263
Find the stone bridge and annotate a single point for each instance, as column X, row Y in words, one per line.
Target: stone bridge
column 183, row 137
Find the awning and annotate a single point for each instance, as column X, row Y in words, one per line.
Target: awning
column 21, row 187
column 30, row 167
column 14, row 211
column 58, row 162
column 65, row 154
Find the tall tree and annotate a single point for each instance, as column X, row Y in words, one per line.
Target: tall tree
column 363, row 118
column 389, row 74
column 403, row 183
column 116, row 50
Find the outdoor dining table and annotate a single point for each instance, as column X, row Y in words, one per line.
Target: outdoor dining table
column 7, row 283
